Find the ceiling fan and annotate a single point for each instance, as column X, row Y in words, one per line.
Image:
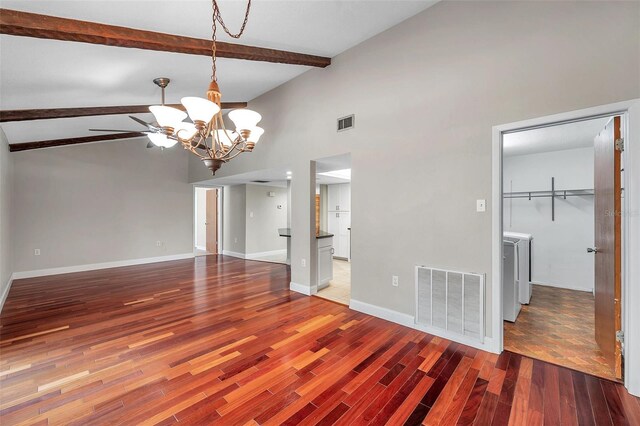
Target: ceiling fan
column 152, row 128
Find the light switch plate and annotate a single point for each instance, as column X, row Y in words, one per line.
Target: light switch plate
column 481, row 205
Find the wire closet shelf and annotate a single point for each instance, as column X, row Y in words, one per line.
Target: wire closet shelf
column 553, row 194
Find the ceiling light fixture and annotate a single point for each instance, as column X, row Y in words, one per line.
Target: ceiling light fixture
column 207, row 137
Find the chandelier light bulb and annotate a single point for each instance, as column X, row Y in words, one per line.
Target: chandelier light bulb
column 167, row 116
column 255, row 134
column 244, row 119
column 161, row 140
column 200, row 109
column 186, row 130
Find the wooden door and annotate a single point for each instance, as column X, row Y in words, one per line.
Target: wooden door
column 608, row 243
column 212, row 221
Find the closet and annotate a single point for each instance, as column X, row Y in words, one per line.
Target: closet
column 339, row 221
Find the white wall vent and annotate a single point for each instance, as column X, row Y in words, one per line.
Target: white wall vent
column 346, row 123
column 451, row 301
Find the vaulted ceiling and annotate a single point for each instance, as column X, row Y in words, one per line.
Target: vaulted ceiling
column 38, row 73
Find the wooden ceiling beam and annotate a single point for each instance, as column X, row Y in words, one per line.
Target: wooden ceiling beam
column 26, row 24
column 45, row 114
column 15, row 147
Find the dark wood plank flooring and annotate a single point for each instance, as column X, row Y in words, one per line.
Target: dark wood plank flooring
column 218, row 340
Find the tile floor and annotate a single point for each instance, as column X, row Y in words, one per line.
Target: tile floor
column 558, row 327
column 339, row 289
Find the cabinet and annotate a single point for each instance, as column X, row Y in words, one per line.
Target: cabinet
column 339, row 221
column 339, row 224
column 325, row 262
column 339, row 197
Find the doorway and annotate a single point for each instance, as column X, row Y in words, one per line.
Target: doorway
column 333, row 217
column 562, row 244
column 206, row 221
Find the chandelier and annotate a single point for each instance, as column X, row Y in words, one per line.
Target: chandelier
column 207, row 136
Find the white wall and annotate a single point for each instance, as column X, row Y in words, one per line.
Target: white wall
column 264, row 218
column 201, row 218
column 102, row 202
column 426, row 94
column 560, row 257
column 6, row 240
column 234, row 223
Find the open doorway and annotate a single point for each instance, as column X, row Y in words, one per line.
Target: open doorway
column 562, row 244
column 333, row 217
column 206, row 221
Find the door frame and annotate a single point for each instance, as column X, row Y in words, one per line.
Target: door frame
column 630, row 224
column 219, row 216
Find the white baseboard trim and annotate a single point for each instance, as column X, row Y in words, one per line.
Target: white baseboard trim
column 5, row 293
column 380, row 312
column 233, row 254
column 203, row 248
column 589, row 290
column 265, row 253
column 96, row 266
column 408, row 321
column 300, row 288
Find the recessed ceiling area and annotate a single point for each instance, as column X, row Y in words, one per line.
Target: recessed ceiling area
column 553, row 138
column 40, row 73
column 332, row 170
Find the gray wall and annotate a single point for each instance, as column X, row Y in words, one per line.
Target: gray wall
column 262, row 228
column 431, row 88
column 560, row 258
column 98, row 203
column 6, row 163
column 234, row 223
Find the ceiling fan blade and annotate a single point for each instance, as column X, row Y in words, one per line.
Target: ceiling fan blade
column 144, row 123
column 118, row 130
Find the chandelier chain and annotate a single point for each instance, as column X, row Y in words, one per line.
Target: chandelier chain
column 217, row 17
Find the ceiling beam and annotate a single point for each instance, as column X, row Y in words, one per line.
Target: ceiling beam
column 26, row 24
column 15, row 147
column 45, row 114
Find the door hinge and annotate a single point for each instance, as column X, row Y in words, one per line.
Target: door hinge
column 620, row 336
column 620, row 144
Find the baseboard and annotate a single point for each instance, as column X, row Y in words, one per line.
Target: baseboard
column 300, row 288
column 233, row 254
column 203, row 248
column 258, row 255
column 561, row 286
column 96, row 266
column 5, row 293
column 408, row 321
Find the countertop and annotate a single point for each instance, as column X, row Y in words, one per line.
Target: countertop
column 286, row 232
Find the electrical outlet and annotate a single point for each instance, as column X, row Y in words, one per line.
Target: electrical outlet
column 303, row 262
column 394, row 280
column 36, row 252
column 158, row 243
column 250, row 214
column 235, row 240
column 481, row 205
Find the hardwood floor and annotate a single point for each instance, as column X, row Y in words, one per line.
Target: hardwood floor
column 558, row 327
column 222, row 340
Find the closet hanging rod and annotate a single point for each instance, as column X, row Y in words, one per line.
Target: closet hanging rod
column 564, row 193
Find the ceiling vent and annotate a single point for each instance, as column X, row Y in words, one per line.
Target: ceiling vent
column 346, row 123
column 260, row 181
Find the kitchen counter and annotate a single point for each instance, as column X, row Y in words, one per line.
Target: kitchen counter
column 286, row 232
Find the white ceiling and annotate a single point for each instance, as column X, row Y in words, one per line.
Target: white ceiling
column 331, row 164
column 36, row 73
column 555, row 138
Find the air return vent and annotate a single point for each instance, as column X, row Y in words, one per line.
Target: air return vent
column 346, row 123
column 260, row 181
column 451, row 301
